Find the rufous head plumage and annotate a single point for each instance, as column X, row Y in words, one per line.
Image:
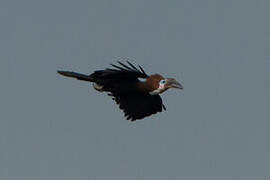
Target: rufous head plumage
column 159, row 84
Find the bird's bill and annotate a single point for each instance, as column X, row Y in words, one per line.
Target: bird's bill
column 172, row 83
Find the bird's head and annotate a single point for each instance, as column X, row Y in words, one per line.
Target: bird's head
column 159, row 84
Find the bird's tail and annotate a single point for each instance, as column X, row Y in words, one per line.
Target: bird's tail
column 78, row 76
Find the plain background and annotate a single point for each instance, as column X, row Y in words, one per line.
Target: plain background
column 58, row 128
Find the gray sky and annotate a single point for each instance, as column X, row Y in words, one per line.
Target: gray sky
column 61, row 129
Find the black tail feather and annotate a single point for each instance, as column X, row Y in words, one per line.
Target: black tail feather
column 76, row 75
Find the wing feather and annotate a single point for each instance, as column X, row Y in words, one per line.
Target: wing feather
column 133, row 66
column 121, row 71
column 137, row 106
column 122, row 64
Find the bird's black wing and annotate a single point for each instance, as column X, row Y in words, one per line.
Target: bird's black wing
column 121, row 72
column 121, row 78
column 137, row 106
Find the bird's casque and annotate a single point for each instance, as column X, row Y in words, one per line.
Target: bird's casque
column 138, row 99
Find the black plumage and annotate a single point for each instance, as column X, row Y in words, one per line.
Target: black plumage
column 138, row 105
column 122, row 83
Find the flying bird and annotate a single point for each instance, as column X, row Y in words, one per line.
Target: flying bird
column 138, row 99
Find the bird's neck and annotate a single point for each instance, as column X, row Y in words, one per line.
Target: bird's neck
column 145, row 87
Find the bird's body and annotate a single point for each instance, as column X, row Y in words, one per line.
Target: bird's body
column 136, row 98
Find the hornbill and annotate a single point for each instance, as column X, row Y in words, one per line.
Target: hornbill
column 138, row 99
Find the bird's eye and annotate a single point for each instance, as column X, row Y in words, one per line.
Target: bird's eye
column 162, row 81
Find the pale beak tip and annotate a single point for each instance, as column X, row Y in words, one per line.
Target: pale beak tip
column 179, row 86
column 175, row 84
